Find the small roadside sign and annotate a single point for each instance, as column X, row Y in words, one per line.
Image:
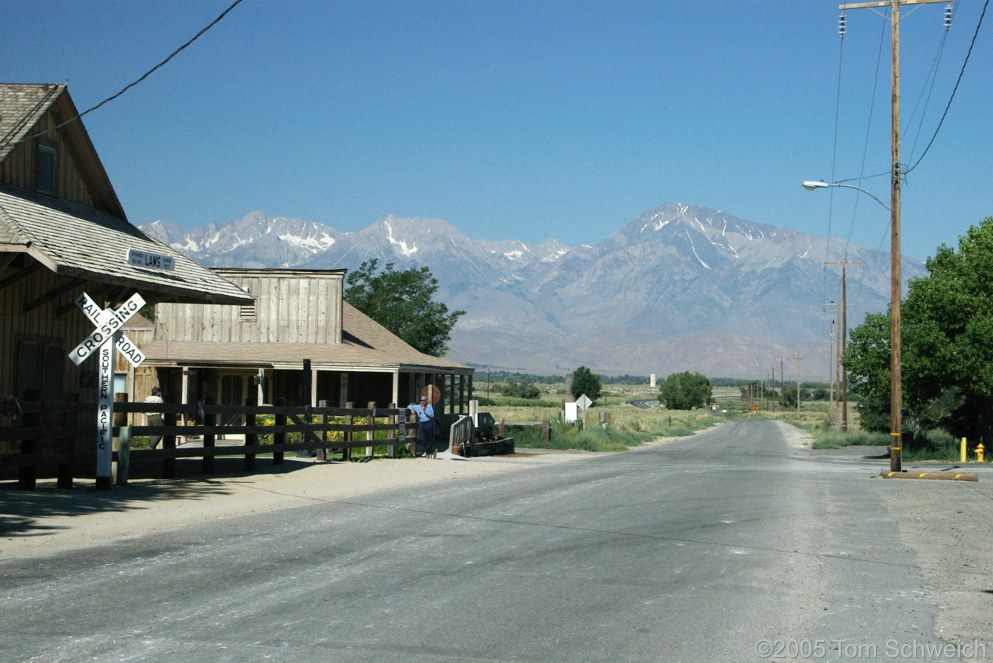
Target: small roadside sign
column 138, row 258
column 584, row 402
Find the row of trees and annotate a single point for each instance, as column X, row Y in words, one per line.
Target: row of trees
column 946, row 344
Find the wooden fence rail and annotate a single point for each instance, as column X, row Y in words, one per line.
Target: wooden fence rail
column 58, row 439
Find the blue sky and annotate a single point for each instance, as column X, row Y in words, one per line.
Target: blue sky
column 520, row 119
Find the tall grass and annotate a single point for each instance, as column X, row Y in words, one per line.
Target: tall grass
column 928, row 445
column 835, row 439
column 627, row 426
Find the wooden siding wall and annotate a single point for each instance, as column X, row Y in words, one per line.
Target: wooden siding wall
column 288, row 309
column 56, row 322
column 19, row 168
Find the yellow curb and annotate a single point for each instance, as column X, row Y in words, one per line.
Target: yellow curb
column 941, row 476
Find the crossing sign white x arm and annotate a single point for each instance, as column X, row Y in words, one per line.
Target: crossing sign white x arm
column 107, row 322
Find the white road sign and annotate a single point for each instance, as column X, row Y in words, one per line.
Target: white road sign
column 584, row 402
column 107, row 323
column 101, row 341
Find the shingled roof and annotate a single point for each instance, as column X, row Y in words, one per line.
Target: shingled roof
column 83, row 241
column 21, row 106
column 78, row 241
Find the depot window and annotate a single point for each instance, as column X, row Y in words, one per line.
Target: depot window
column 47, row 168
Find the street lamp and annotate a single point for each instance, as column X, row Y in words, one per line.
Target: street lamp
column 896, row 386
column 810, row 185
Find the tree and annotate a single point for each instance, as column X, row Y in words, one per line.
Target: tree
column 685, row 391
column 867, row 359
column 585, row 382
column 947, row 357
column 402, row 302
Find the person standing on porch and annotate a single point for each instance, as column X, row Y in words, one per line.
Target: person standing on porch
column 425, row 424
column 154, row 418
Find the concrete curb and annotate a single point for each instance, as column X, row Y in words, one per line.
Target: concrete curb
column 940, row 476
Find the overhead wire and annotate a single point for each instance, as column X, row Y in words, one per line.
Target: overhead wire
column 144, row 76
column 933, row 77
column 951, row 97
column 926, row 95
column 834, row 145
column 927, row 90
column 856, row 295
column 944, row 115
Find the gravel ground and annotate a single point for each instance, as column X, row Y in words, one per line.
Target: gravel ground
column 947, row 525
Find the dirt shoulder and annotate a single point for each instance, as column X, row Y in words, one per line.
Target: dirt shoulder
column 50, row 520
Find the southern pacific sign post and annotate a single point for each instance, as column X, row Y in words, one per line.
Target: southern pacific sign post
column 109, row 324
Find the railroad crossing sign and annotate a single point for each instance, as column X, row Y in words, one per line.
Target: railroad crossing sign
column 107, row 322
column 101, row 341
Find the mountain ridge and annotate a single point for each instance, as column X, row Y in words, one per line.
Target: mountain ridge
column 679, row 287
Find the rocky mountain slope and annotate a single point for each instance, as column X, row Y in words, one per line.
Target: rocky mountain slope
column 678, row 288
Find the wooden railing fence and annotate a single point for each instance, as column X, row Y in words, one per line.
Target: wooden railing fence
column 460, row 435
column 58, row 439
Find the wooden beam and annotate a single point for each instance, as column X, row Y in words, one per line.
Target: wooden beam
column 21, row 275
column 53, row 293
column 887, row 3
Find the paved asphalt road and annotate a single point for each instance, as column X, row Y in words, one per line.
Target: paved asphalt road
column 734, row 545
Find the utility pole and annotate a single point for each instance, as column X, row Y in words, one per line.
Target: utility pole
column 843, row 328
column 831, row 367
column 773, row 385
column 834, row 372
column 837, row 366
column 896, row 386
column 831, row 371
column 798, row 358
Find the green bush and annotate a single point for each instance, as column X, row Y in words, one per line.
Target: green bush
column 931, row 445
column 526, row 390
column 685, row 391
column 332, row 436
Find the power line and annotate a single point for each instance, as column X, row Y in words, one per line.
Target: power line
column 932, row 76
column 934, row 136
column 147, row 73
column 968, row 54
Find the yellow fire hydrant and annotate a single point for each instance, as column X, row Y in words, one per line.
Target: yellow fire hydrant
column 980, row 450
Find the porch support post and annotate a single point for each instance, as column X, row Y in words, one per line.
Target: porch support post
column 396, row 386
column 185, row 396
column 313, row 387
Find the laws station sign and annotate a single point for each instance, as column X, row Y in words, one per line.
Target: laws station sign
column 101, row 342
column 138, row 258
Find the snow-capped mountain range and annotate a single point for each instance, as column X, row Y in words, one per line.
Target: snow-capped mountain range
column 680, row 287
